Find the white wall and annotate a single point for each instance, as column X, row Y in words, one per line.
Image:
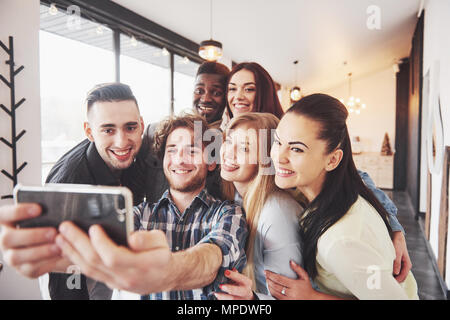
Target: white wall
column 20, row 19
column 437, row 48
column 377, row 91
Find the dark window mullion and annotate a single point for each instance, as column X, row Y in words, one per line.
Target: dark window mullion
column 172, row 91
column 116, row 42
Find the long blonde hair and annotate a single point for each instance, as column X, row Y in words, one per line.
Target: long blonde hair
column 262, row 185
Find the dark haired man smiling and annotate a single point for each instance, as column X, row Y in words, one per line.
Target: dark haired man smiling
column 209, row 92
column 107, row 157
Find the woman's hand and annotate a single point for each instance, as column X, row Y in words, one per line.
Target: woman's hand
column 402, row 262
column 239, row 289
column 284, row 288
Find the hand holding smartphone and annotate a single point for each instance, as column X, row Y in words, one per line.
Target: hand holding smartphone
column 85, row 205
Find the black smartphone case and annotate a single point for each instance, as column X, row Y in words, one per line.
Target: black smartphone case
column 84, row 209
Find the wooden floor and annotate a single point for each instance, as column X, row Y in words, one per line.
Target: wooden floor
column 423, row 270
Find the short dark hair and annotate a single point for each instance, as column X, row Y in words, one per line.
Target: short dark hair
column 109, row 92
column 210, row 67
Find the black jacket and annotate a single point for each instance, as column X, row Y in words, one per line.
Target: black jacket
column 83, row 165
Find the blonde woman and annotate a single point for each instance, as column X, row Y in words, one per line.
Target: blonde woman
column 272, row 214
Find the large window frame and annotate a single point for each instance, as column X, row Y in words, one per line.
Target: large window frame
column 127, row 22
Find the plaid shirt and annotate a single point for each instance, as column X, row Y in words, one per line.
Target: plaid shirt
column 206, row 220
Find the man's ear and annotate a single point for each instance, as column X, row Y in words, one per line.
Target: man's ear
column 141, row 122
column 334, row 158
column 88, row 131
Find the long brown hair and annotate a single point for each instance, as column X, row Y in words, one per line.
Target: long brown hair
column 266, row 99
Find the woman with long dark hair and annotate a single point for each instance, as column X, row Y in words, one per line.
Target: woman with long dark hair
column 250, row 88
column 347, row 246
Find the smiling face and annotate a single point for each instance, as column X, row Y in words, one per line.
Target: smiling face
column 116, row 129
column 209, row 96
column 239, row 155
column 299, row 157
column 242, row 92
column 183, row 163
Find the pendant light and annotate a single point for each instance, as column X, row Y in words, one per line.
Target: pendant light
column 353, row 104
column 210, row 50
column 295, row 92
column 53, row 10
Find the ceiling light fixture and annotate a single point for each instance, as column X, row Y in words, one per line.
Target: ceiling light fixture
column 53, row 10
column 210, row 50
column 164, row 52
column 99, row 29
column 295, row 92
column 133, row 41
column 353, row 104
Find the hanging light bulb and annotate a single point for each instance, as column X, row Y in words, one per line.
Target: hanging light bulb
column 53, row 10
column 210, row 50
column 185, row 60
column 165, row 52
column 133, row 41
column 99, row 29
column 295, row 93
column 354, row 103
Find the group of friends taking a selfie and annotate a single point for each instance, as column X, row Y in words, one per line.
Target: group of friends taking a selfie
column 234, row 200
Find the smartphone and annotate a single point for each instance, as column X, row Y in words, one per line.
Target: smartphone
column 85, row 205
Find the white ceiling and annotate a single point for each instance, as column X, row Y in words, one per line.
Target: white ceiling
column 321, row 34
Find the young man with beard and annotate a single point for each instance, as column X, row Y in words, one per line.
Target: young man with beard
column 187, row 239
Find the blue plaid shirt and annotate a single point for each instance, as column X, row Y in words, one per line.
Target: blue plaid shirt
column 206, row 220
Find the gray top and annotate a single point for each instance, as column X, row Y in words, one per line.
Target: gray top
column 277, row 240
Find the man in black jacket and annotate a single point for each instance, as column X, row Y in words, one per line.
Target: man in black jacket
column 107, row 157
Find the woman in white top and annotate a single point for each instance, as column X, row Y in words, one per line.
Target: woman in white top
column 347, row 247
column 272, row 214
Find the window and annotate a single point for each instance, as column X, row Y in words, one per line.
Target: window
column 72, row 61
column 184, row 82
column 79, row 52
column 146, row 69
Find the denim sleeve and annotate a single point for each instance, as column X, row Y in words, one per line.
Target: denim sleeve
column 384, row 200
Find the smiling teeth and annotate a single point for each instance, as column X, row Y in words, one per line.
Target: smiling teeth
column 284, row 171
column 231, row 165
column 121, row 153
column 181, row 171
